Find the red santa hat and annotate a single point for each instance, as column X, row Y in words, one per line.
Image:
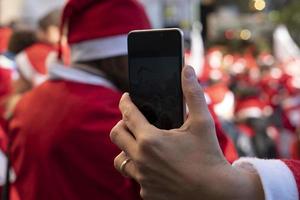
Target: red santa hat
column 33, row 61
column 98, row 29
column 5, row 34
column 252, row 108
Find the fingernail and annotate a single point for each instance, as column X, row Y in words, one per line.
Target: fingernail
column 189, row 73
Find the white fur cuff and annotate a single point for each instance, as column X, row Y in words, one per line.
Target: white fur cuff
column 277, row 179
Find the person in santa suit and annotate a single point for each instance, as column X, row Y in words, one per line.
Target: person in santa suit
column 60, row 147
column 19, row 40
column 252, row 120
column 5, row 66
column 32, row 62
column 187, row 163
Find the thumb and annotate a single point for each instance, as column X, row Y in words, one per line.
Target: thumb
column 193, row 94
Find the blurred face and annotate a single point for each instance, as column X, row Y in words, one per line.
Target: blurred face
column 118, row 72
column 115, row 69
column 51, row 35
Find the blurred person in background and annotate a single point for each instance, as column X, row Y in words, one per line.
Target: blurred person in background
column 60, row 147
column 18, row 41
column 5, row 64
column 32, row 62
column 265, row 112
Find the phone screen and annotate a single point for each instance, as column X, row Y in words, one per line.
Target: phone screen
column 155, row 81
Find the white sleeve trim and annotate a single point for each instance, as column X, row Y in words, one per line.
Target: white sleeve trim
column 3, row 168
column 277, row 179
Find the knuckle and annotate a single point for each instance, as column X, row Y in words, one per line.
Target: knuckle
column 114, row 133
column 144, row 194
column 116, row 163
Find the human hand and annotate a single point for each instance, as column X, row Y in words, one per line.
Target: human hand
column 179, row 164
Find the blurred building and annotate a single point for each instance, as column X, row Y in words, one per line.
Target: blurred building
column 173, row 13
column 28, row 11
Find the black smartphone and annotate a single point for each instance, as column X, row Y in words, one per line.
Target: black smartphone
column 155, row 63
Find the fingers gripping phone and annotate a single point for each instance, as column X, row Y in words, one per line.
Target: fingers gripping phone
column 155, row 63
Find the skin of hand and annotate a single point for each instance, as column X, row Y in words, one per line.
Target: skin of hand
column 184, row 163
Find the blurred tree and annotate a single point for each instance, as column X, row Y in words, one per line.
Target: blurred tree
column 290, row 16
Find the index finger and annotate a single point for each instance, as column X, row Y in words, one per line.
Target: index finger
column 133, row 118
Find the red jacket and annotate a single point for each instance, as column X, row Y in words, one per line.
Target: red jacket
column 7, row 73
column 295, row 168
column 60, row 144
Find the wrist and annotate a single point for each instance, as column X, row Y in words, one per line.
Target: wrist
column 236, row 183
column 248, row 183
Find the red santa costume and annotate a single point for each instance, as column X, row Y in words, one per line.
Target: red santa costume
column 33, row 61
column 7, row 74
column 60, row 146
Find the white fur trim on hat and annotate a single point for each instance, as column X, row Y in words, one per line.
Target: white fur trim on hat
column 99, row 48
column 277, row 179
column 24, row 66
column 253, row 112
column 58, row 71
column 28, row 71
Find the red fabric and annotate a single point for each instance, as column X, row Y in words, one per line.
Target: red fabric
column 6, row 75
column 5, row 34
column 296, row 150
column 60, row 144
column 38, row 54
column 103, row 18
column 287, row 123
column 295, row 168
column 5, row 81
column 3, row 140
column 5, row 89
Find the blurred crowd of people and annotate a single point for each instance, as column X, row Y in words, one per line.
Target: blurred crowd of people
column 257, row 98
column 254, row 99
column 25, row 55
